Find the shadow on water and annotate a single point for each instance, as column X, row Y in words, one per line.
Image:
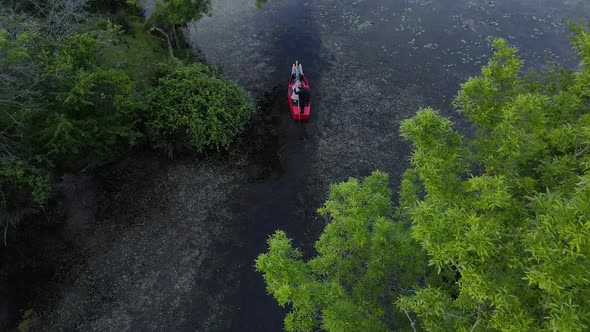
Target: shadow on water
column 276, row 199
column 32, row 260
column 272, row 200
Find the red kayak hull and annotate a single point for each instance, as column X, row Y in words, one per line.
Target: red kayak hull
column 294, row 106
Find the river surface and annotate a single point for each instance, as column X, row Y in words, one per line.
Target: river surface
column 371, row 64
column 158, row 245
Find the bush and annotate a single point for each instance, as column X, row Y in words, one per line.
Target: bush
column 31, row 321
column 195, row 102
column 23, row 188
column 20, row 184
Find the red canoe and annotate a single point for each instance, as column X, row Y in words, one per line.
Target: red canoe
column 294, row 104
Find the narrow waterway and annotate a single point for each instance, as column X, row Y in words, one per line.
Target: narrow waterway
column 371, row 64
column 159, row 245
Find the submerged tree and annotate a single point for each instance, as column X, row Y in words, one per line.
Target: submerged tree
column 503, row 218
column 259, row 3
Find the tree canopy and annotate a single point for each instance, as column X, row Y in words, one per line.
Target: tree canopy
column 493, row 228
column 196, row 102
column 342, row 288
column 506, row 210
column 174, row 13
column 77, row 91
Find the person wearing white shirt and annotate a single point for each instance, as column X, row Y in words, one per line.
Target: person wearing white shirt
column 295, row 92
column 297, row 69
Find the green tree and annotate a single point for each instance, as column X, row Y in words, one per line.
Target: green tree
column 363, row 262
column 59, row 100
column 88, row 112
column 23, row 180
column 502, row 217
column 59, row 106
column 195, row 102
column 507, row 210
column 172, row 14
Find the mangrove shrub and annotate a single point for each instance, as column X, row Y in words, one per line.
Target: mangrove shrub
column 195, row 103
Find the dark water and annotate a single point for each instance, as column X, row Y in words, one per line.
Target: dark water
column 153, row 244
column 371, row 64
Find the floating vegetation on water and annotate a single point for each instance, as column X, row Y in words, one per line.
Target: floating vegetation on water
column 420, row 2
column 364, row 25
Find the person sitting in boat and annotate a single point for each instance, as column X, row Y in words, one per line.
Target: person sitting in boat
column 296, row 87
column 297, row 70
column 304, row 95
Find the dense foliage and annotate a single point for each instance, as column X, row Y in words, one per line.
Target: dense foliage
column 170, row 14
column 74, row 88
column 507, row 210
column 60, row 107
column 91, row 113
column 346, row 286
column 196, row 102
column 502, row 218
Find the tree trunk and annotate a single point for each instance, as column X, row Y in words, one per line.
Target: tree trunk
column 175, row 37
column 170, row 48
